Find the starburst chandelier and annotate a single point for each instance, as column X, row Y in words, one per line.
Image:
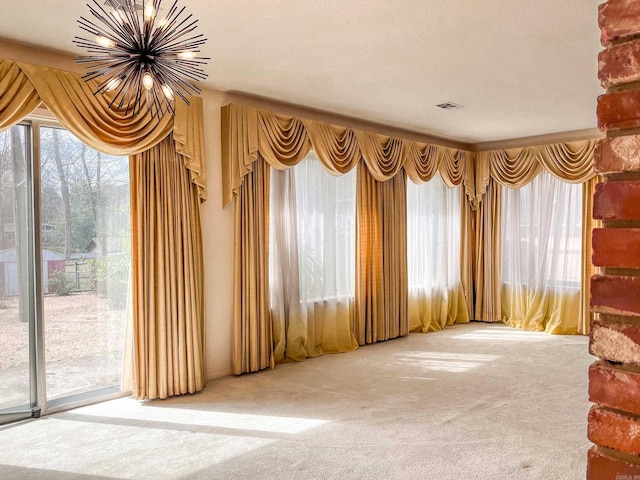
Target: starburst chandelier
column 141, row 53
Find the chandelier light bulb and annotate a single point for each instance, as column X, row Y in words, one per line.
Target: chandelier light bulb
column 105, row 42
column 163, row 22
column 149, row 12
column 166, row 89
column 187, row 54
column 112, row 84
column 147, row 81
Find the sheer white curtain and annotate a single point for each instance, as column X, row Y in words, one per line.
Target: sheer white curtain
column 436, row 297
column 312, row 260
column 541, row 255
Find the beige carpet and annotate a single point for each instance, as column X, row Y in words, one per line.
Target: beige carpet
column 474, row 402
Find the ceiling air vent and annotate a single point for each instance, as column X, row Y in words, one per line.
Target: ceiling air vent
column 449, row 106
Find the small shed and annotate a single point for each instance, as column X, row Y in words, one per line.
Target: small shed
column 9, row 280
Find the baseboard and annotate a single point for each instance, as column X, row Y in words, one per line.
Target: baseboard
column 218, row 374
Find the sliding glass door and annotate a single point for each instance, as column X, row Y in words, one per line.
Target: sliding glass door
column 85, row 267
column 17, row 319
column 64, row 270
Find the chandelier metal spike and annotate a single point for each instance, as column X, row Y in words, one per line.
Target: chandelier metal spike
column 137, row 53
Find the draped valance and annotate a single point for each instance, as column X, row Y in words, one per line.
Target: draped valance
column 283, row 141
column 571, row 162
column 23, row 87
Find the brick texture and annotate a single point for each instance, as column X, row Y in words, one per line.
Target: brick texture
column 615, row 342
column 613, row 387
column 619, row 110
column 617, row 201
column 616, row 247
column 618, row 154
column 602, row 467
column 619, row 64
column 616, row 295
column 618, row 19
column 614, row 430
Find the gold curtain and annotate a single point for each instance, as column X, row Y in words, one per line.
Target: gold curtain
column 89, row 117
column 18, row 96
column 337, row 147
column 487, row 254
column 381, row 258
column 468, row 254
column 168, row 278
column 571, row 162
column 283, row 141
column 23, row 87
column 252, row 329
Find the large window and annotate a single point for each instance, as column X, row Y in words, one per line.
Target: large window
column 312, row 259
column 433, row 255
column 326, row 220
column 64, row 267
column 542, row 234
column 541, row 255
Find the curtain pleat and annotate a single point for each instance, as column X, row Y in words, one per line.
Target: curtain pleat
column 89, row 117
column 381, row 258
column 168, row 278
column 337, row 147
column 18, row 96
column 284, row 141
column 467, row 254
column 383, row 155
column 252, row 328
column 515, row 167
column 570, row 162
column 487, row 245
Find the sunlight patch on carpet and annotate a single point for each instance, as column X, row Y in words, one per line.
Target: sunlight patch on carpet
column 445, row 361
column 204, row 418
column 506, row 334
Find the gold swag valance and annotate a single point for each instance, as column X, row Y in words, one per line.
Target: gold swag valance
column 71, row 100
column 283, row 141
column 571, row 162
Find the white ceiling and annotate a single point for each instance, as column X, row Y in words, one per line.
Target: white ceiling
column 519, row 67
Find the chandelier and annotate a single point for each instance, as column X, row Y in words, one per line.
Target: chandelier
column 139, row 52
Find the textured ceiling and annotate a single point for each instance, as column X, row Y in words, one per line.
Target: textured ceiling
column 520, row 68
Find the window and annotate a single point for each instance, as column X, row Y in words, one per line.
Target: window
column 312, row 260
column 433, row 235
column 542, row 234
column 541, row 257
column 433, row 255
column 326, row 220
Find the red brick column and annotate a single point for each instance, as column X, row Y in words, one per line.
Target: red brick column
column 614, row 380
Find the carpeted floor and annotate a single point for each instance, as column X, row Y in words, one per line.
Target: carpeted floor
column 473, row 402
